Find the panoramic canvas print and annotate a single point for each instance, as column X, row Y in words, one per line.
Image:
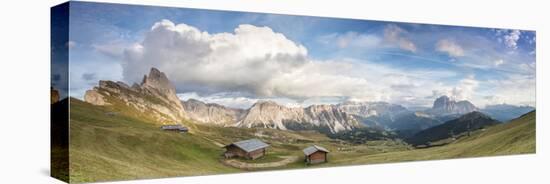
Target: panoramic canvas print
column 147, row 92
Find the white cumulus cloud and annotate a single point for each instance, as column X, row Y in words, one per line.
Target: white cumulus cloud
column 465, row 89
column 254, row 60
column 258, row 63
column 394, row 34
column 450, row 47
column 511, row 39
column 351, row 39
column 499, row 62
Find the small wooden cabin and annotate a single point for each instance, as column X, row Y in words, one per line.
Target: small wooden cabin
column 175, row 128
column 249, row 149
column 315, row 154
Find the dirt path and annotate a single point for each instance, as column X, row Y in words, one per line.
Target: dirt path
column 242, row 165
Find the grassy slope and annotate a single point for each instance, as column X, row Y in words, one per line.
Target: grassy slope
column 123, row 146
column 105, row 147
column 516, row 137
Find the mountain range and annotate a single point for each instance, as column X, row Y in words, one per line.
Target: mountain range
column 156, row 96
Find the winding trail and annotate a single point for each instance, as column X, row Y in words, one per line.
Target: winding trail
column 243, row 165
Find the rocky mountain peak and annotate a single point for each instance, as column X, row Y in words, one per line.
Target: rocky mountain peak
column 445, row 105
column 441, row 102
column 325, row 118
column 211, row 113
column 266, row 103
column 156, row 94
column 158, row 80
column 194, row 101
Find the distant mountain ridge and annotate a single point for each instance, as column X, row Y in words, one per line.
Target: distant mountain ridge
column 156, row 96
column 211, row 113
column 325, row 118
column 506, row 112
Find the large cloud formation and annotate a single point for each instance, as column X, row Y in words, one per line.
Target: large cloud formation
column 254, row 63
column 254, row 60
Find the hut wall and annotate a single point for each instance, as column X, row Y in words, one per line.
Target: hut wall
column 236, row 151
column 256, row 153
column 317, row 157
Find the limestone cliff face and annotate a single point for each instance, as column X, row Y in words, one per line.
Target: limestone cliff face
column 268, row 114
column 331, row 117
column 213, row 114
column 325, row 118
column 94, row 97
column 155, row 95
column 157, row 84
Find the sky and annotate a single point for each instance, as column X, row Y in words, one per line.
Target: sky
column 238, row 58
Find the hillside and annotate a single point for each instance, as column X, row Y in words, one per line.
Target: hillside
column 516, row 137
column 112, row 143
column 126, row 147
column 107, row 145
column 453, row 128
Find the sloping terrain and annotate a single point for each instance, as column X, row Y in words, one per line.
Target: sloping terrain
column 113, row 143
column 453, row 128
column 516, row 137
column 107, row 145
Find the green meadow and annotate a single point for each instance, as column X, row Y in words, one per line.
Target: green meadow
column 109, row 143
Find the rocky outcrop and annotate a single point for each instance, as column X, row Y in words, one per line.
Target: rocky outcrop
column 444, row 106
column 155, row 95
column 94, row 97
column 214, row 114
column 331, row 117
column 325, row 118
column 157, row 84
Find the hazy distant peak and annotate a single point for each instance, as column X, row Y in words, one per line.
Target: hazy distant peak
column 446, row 105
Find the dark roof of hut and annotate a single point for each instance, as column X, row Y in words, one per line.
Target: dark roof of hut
column 173, row 127
column 312, row 149
column 250, row 145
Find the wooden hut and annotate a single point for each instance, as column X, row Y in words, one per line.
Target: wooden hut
column 250, row 149
column 315, row 154
column 175, row 128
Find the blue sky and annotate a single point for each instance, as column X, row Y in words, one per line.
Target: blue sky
column 299, row 60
